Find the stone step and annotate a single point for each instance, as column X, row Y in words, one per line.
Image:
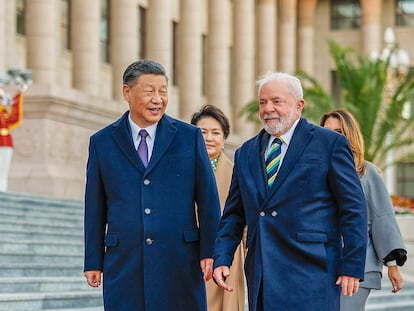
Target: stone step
column 19, row 269
column 41, row 247
column 77, row 309
column 41, row 256
column 395, row 305
column 38, row 259
column 387, row 296
column 41, row 221
column 35, row 233
column 42, row 284
column 50, row 213
column 385, row 299
column 19, row 200
column 44, row 227
column 50, row 300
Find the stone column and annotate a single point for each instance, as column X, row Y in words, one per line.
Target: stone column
column 159, row 32
column 243, row 84
column 190, row 58
column 85, row 45
column 10, row 46
column 306, row 34
column 42, row 46
column 287, row 35
column 3, row 16
column 266, row 36
column 371, row 25
column 218, row 55
column 124, row 33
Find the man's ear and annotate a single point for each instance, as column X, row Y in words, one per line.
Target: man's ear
column 125, row 92
column 300, row 104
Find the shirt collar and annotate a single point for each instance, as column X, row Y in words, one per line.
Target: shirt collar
column 135, row 129
column 286, row 138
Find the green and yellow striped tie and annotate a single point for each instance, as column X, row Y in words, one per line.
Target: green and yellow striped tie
column 273, row 160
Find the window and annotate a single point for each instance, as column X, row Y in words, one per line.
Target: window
column 204, row 65
column 405, row 179
column 65, row 24
column 345, row 14
column 20, row 15
column 174, row 73
column 142, row 20
column 104, row 31
column 404, row 12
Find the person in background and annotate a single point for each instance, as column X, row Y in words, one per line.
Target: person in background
column 385, row 243
column 11, row 115
column 151, row 203
column 295, row 186
column 215, row 128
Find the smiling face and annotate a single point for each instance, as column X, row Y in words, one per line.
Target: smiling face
column 213, row 136
column 147, row 99
column 278, row 107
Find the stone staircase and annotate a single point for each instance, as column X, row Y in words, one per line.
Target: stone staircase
column 385, row 300
column 41, row 260
column 41, row 256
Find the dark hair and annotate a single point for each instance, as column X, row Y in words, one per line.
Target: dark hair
column 142, row 67
column 214, row 112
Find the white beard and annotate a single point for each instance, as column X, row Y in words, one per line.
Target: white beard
column 279, row 125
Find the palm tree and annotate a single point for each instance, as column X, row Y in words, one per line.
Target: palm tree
column 363, row 92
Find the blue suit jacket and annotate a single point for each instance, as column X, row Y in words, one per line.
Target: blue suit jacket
column 141, row 223
column 295, row 228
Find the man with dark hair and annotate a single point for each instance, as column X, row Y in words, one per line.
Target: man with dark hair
column 151, row 203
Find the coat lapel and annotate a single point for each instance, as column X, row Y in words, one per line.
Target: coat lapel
column 257, row 159
column 123, row 139
column 165, row 133
column 300, row 139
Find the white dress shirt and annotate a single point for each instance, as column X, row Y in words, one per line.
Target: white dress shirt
column 151, row 130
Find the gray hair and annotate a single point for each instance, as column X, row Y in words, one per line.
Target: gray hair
column 293, row 83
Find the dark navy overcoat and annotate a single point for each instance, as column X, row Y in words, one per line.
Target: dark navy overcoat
column 141, row 225
column 303, row 232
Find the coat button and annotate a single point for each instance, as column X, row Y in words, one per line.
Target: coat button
column 262, row 213
column 146, row 182
column 147, row 211
column 148, row 241
column 274, row 214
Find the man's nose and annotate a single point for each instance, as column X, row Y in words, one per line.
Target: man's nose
column 157, row 98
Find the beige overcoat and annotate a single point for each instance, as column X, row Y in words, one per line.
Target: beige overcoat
column 217, row 298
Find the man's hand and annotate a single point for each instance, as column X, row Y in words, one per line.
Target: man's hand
column 349, row 284
column 395, row 278
column 93, row 277
column 220, row 274
column 206, row 265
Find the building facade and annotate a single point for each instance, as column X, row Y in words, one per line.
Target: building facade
column 213, row 50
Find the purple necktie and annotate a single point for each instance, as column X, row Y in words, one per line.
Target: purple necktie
column 142, row 147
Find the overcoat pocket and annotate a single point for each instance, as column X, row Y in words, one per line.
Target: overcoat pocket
column 312, row 237
column 111, row 240
column 191, row 235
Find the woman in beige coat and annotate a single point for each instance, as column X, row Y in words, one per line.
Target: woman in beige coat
column 215, row 128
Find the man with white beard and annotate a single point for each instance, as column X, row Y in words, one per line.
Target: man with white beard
column 295, row 187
